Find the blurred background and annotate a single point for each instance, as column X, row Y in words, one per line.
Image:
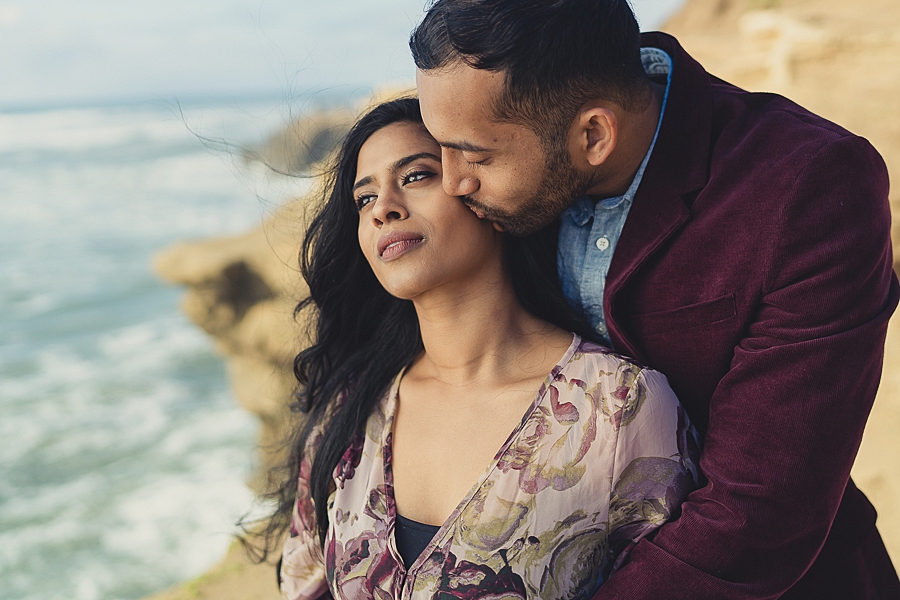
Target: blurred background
column 125, row 129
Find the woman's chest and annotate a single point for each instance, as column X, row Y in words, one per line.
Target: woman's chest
column 533, row 524
column 442, row 445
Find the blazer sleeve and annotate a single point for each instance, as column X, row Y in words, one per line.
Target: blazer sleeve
column 302, row 570
column 786, row 421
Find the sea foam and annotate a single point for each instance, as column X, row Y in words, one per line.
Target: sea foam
column 124, row 454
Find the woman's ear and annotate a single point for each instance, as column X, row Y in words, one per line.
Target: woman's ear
column 597, row 133
column 497, row 226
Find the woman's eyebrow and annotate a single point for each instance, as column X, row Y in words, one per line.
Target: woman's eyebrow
column 362, row 182
column 397, row 166
column 408, row 159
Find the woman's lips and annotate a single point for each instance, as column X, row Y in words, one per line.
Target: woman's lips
column 398, row 248
column 392, row 245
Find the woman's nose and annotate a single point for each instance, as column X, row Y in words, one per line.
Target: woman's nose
column 389, row 207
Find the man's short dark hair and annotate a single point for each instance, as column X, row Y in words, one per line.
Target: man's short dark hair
column 555, row 54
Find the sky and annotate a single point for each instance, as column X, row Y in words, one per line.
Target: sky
column 54, row 52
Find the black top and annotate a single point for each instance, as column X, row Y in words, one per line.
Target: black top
column 412, row 538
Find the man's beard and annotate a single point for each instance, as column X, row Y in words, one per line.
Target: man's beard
column 560, row 186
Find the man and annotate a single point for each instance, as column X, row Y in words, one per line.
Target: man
column 734, row 241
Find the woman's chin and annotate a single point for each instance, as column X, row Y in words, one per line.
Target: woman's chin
column 407, row 289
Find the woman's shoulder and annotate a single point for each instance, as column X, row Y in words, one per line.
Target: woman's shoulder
column 596, row 357
column 626, row 395
column 592, row 366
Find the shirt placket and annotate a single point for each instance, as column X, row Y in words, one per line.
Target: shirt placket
column 598, row 256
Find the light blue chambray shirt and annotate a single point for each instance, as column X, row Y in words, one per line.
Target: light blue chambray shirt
column 590, row 228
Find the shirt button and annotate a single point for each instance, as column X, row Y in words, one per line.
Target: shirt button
column 602, row 243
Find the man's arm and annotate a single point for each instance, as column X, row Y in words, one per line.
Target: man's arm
column 786, row 421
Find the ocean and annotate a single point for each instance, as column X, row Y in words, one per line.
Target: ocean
column 123, row 453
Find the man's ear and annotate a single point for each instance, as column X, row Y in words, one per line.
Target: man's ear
column 597, row 130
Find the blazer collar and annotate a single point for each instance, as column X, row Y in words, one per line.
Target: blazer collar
column 678, row 167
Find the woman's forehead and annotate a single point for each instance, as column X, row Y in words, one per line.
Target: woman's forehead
column 392, row 143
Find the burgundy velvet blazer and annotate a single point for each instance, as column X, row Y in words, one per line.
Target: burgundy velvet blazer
column 755, row 271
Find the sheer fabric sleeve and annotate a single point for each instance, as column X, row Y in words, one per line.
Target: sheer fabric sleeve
column 302, row 572
column 657, row 454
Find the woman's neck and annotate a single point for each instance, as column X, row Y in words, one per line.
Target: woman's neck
column 480, row 332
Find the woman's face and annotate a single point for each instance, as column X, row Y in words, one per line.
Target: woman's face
column 416, row 237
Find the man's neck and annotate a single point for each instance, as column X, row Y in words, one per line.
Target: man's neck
column 636, row 133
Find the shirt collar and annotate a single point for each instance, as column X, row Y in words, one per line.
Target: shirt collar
column 581, row 211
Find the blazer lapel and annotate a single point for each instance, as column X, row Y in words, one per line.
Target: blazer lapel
column 677, row 168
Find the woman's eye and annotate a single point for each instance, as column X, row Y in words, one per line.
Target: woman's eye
column 363, row 200
column 417, row 176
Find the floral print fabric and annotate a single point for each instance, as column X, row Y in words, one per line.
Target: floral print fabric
column 603, row 457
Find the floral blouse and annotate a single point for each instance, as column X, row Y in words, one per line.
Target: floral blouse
column 602, row 458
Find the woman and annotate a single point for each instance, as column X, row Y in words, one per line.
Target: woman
column 440, row 340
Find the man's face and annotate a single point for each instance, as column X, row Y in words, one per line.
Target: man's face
column 501, row 170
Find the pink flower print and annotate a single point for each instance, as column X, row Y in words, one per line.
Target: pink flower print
column 520, row 452
column 380, row 504
column 565, row 413
column 469, row 581
column 363, row 568
column 346, row 467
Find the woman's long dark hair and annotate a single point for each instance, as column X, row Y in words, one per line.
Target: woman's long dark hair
column 363, row 336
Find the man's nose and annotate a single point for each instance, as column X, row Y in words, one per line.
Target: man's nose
column 455, row 180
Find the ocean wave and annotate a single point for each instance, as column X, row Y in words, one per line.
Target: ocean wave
column 120, row 464
column 80, row 130
column 124, row 451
